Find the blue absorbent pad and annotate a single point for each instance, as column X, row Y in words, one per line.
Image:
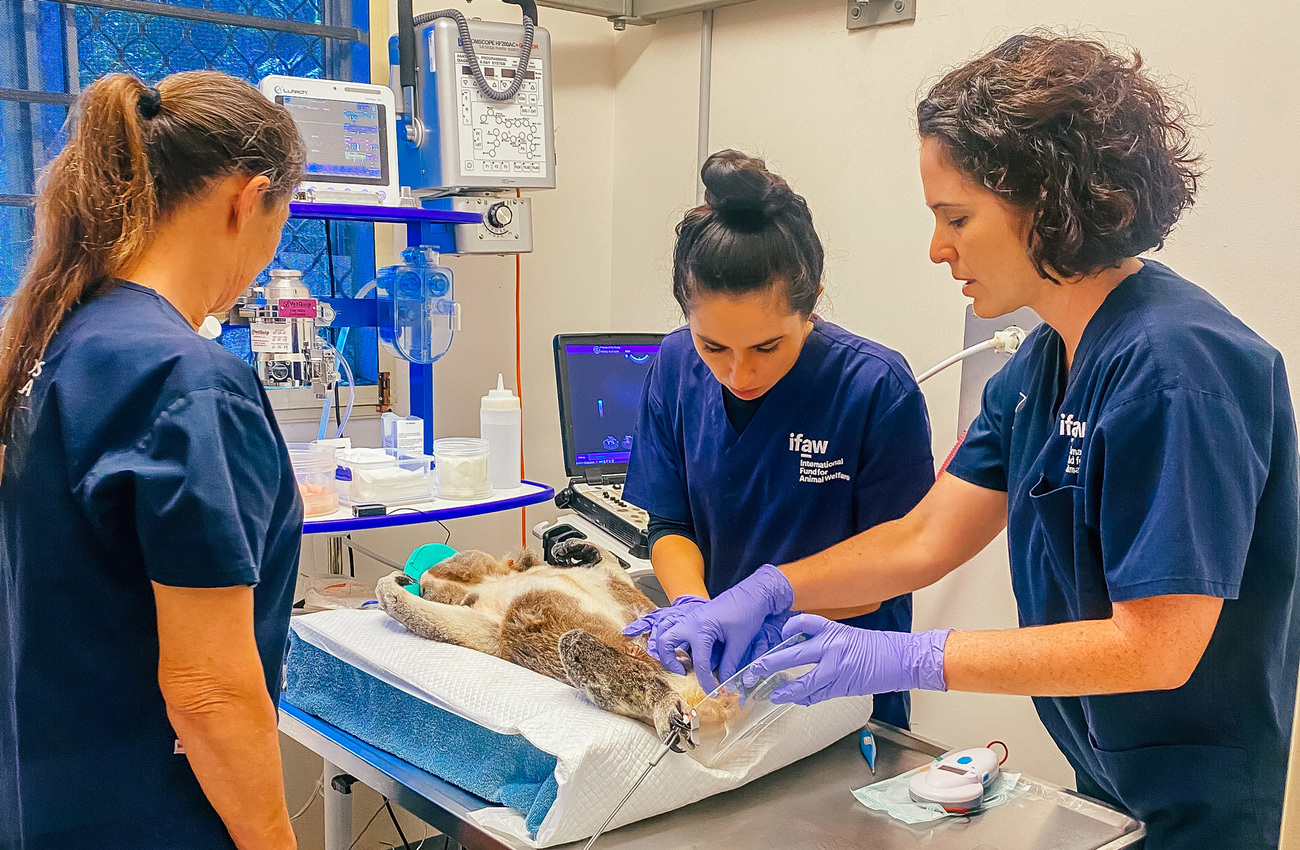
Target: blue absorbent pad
column 503, row 769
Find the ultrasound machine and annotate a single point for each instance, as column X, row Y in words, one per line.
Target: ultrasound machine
column 600, row 379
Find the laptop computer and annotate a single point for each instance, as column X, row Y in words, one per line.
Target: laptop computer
column 599, row 378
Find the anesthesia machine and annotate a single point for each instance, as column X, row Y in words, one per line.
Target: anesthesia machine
column 466, row 124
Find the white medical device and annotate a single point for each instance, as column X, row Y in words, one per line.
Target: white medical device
column 350, row 130
column 957, row 781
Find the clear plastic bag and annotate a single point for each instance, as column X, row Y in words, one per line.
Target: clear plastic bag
column 891, row 797
column 741, row 707
column 333, row 592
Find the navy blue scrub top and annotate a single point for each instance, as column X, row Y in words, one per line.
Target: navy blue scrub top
column 147, row 453
column 1163, row 462
column 840, row 444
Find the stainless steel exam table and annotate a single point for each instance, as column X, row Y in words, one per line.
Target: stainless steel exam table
column 805, row 805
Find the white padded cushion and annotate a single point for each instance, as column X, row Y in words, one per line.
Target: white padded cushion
column 598, row 754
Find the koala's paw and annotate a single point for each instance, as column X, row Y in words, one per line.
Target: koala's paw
column 666, row 713
column 391, row 591
column 576, row 552
column 523, row 560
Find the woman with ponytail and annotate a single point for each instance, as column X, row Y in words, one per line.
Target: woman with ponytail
column 149, row 520
column 767, row 433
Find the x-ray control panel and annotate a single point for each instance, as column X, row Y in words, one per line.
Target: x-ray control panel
column 460, row 139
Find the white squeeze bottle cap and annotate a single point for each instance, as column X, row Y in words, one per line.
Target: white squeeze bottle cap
column 501, row 398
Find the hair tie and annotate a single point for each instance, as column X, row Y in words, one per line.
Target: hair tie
column 150, row 103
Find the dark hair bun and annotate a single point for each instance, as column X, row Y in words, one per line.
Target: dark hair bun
column 743, row 193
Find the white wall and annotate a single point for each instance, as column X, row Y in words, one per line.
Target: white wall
column 833, row 112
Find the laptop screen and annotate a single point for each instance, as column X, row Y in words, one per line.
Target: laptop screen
column 599, row 378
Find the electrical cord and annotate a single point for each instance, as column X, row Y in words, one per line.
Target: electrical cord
column 397, row 826
column 1006, row 341
column 476, row 70
column 315, row 791
column 367, row 826
column 439, row 522
column 519, row 387
column 425, row 843
column 329, row 264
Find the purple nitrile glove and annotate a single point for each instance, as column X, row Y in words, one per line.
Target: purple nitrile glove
column 854, row 662
column 768, row 636
column 661, row 618
column 734, row 619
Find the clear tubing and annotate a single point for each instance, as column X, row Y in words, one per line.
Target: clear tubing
column 343, row 335
column 324, row 418
column 352, row 387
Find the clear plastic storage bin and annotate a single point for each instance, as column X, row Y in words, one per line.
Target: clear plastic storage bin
column 313, row 467
column 462, row 467
column 382, row 475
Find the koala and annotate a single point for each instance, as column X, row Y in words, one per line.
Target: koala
column 563, row 621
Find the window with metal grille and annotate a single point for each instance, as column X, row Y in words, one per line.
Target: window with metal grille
column 49, row 50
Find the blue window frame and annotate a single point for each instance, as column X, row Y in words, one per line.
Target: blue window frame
column 49, row 50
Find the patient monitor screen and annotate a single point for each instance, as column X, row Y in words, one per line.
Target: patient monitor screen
column 605, row 384
column 346, row 140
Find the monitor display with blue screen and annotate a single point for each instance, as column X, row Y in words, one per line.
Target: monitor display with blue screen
column 600, row 377
column 345, row 139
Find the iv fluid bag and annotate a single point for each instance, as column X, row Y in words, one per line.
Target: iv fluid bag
column 416, row 310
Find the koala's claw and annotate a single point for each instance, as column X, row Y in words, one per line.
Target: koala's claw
column 575, row 552
column 684, row 723
column 403, row 579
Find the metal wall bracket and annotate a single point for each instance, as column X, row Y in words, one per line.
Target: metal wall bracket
column 624, row 13
column 866, row 14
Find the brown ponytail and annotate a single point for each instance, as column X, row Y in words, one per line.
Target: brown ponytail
column 134, row 155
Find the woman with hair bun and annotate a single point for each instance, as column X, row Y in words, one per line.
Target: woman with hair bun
column 149, row 519
column 767, row 433
column 1139, row 450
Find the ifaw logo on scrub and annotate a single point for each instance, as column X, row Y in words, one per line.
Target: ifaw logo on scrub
column 1074, row 429
column 813, row 468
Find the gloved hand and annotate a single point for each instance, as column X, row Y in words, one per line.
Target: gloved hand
column 854, row 662
column 734, row 620
column 660, row 619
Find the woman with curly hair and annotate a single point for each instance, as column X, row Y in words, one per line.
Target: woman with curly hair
column 1139, row 450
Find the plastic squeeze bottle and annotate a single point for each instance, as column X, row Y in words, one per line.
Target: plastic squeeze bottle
column 500, row 424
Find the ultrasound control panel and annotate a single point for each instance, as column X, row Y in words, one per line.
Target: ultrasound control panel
column 603, row 505
column 610, row 496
